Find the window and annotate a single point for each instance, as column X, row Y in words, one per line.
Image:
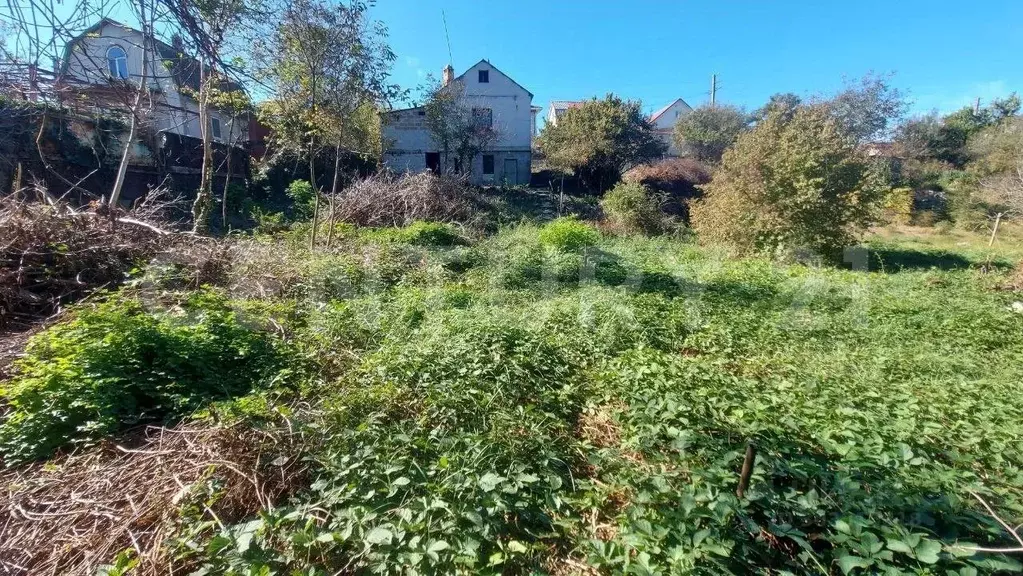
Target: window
column 215, row 124
column 484, row 76
column 488, row 164
column 117, row 62
column 483, row 117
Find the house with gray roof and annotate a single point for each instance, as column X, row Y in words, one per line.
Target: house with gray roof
column 99, row 61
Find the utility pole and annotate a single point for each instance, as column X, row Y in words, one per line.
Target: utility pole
column 976, row 106
column 713, row 89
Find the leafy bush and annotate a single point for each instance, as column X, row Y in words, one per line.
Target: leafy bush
column 791, row 185
column 897, row 206
column 633, row 208
column 267, row 222
column 117, row 364
column 568, row 234
column 303, row 199
column 419, row 234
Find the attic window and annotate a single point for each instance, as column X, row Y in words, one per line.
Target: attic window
column 422, row 112
column 484, row 76
column 215, row 125
column 117, row 62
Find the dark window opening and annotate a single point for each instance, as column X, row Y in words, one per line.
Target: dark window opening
column 484, row 76
column 458, row 165
column 422, row 112
column 488, row 163
column 483, row 117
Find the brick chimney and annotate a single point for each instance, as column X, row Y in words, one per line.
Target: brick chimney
column 449, row 74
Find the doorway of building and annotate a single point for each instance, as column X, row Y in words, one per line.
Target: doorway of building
column 433, row 162
column 511, row 170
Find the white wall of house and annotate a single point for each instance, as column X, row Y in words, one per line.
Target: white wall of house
column 668, row 118
column 407, row 139
column 172, row 111
column 664, row 124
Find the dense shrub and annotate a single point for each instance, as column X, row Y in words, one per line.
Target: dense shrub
column 791, row 185
column 708, row 131
column 116, row 364
column 600, row 139
column 634, row 208
column 568, row 234
column 303, row 199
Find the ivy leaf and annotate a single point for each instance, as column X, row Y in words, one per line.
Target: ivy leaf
column 489, row 481
column 379, row 535
column 848, row 563
column 928, row 550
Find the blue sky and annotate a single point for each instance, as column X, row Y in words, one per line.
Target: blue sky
column 943, row 54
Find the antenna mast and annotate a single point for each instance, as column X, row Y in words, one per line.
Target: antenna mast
column 447, row 36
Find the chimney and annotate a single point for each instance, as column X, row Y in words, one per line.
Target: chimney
column 178, row 43
column 449, row 74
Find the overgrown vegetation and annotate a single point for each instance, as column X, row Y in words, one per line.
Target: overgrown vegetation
column 118, row 364
column 549, row 399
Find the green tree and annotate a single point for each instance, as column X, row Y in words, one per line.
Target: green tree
column 870, row 109
column 600, row 140
column 786, row 186
column 211, row 26
column 327, row 62
column 461, row 132
column 708, row 131
column 784, row 103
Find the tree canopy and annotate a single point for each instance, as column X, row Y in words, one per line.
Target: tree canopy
column 706, row 132
column 600, row 140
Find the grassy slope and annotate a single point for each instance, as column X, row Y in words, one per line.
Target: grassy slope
column 494, row 414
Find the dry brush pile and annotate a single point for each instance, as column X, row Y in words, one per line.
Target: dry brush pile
column 76, row 514
column 398, row 200
column 52, row 254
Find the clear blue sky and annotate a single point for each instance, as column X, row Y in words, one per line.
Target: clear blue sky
column 943, row 53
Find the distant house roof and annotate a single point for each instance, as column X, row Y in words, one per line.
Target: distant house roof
column 561, row 105
column 659, row 113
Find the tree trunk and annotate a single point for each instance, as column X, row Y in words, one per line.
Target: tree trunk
column 122, row 168
column 227, row 177
column 204, row 198
column 316, row 191
column 333, row 192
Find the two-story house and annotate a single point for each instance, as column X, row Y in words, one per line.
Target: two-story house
column 494, row 99
column 97, row 61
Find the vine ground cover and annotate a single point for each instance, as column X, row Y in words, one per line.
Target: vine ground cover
column 519, row 405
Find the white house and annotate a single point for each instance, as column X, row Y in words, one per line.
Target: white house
column 558, row 109
column 494, row 98
column 109, row 52
column 664, row 122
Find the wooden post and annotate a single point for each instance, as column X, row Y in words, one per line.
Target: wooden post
column 747, row 469
column 998, row 220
